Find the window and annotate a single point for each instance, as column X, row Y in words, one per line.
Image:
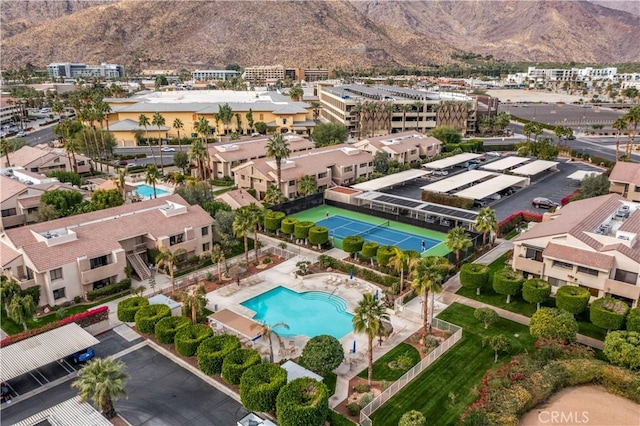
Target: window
column 97, row 262
column 626, row 276
column 637, row 188
column 205, row 230
column 533, row 253
column 284, row 121
column 58, row 293
column 206, row 246
column 347, row 169
column 261, row 117
column 322, row 175
column 559, row 264
column 8, row 212
column 593, row 291
column 55, row 274
column 370, row 163
column 413, row 152
column 80, row 163
column 176, row 239
column 556, row 282
column 292, row 182
column 588, row 271
column 363, row 165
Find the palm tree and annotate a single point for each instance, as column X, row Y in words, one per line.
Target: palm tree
column 316, row 107
column 158, row 121
column 168, row 259
column 5, row 147
column 194, row 300
column 296, row 92
column 620, row 125
column 197, row 153
column 255, row 213
column 405, row 108
column 273, row 195
column 152, row 177
column 278, row 147
column 268, row 331
column 633, row 118
column 307, row 185
column 242, row 225
column 143, row 121
column 402, row 260
column 178, row 125
column 486, row 222
column 203, row 128
column 419, row 106
column 457, row 240
column 102, row 380
column 217, row 257
column 368, row 318
column 225, row 113
column 21, row 308
column 427, row 276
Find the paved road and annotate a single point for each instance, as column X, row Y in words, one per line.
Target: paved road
column 574, row 116
column 148, row 151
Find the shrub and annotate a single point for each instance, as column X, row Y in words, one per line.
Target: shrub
column 109, row 289
column 633, row 320
column 507, row 282
column 187, row 339
column 318, row 235
column 474, row 275
column 487, row 316
column 322, row 354
column 536, row 291
column 128, row 308
column 412, row 418
column 384, row 254
column 369, row 249
column 212, row 351
column 303, row 402
column 366, row 274
column 365, row 400
column 34, row 292
column 301, row 229
column 352, row 243
column 510, row 223
column 148, row 316
column 447, row 200
column 353, row 409
column 608, row 313
column 552, row 323
column 273, row 220
column 623, row 348
column 167, row 328
column 237, row 362
column 362, row 388
column 287, row 225
column 259, row 386
column 572, row 299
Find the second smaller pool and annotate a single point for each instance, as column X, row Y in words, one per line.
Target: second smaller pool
column 146, row 191
column 311, row 313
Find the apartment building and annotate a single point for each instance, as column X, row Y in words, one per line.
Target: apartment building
column 238, row 198
column 73, row 70
column 224, row 157
column 68, row 257
column 625, row 180
column 331, row 165
column 267, row 74
column 591, row 243
column 214, row 74
column 10, row 111
column 314, row 74
column 43, row 161
column 403, row 147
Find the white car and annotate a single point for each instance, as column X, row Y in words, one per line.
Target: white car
column 493, row 154
column 168, row 149
column 21, row 134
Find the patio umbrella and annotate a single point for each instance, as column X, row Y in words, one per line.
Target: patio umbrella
column 351, row 274
column 353, row 351
column 376, row 296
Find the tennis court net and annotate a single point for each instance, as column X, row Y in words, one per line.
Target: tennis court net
column 373, row 229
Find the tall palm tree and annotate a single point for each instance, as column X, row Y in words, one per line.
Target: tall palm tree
column 152, row 177
column 402, row 260
column 274, row 195
column 217, row 257
column 296, row 92
column 197, row 153
column 316, row 107
column 122, row 172
column 203, row 128
column 633, row 118
column 278, row 147
column 168, row 259
column 102, row 380
column 143, row 121
column 242, row 225
column 159, row 121
column 194, row 300
column 486, row 222
column 5, row 147
column 427, row 275
column 255, row 213
column 457, row 240
column 419, row 106
column 368, row 318
column 620, row 125
column 178, row 125
column 269, row 331
column 307, row 185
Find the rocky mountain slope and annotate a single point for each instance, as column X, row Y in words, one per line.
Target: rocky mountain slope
column 344, row 33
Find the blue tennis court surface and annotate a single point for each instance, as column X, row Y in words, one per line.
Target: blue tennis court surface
column 340, row 227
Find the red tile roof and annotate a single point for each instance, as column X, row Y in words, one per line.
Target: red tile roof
column 625, row 172
column 590, row 259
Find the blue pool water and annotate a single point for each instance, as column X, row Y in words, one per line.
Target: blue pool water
column 146, row 191
column 311, row 313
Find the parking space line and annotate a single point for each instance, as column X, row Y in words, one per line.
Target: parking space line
column 36, row 371
column 130, row 349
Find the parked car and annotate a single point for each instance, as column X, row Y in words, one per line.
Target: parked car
column 130, row 165
column 21, row 134
column 493, row 154
column 545, row 203
column 83, row 356
column 440, row 173
column 168, row 149
column 123, row 163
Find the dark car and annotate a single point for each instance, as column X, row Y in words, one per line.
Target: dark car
column 545, row 203
column 83, row 355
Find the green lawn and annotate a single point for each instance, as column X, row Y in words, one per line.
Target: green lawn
column 330, row 380
column 457, row 371
column 511, row 234
column 381, row 368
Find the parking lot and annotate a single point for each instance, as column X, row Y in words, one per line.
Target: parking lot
column 575, row 116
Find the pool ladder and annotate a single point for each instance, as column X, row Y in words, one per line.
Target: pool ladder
column 334, row 290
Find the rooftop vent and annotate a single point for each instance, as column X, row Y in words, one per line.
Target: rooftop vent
column 228, row 148
column 350, row 151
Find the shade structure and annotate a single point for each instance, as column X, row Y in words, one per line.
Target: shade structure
column 504, row 163
column 391, row 180
column 497, row 184
column 534, row 168
column 457, row 181
column 448, row 162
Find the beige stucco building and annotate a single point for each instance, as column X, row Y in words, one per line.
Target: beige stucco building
column 404, row 147
column 625, row 180
column 46, row 160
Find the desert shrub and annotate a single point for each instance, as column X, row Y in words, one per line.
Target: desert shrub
column 572, row 299
column 507, row 282
column 474, row 275
column 536, row 291
column 552, row 323
column 353, row 409
column 608, row 313
column 148, row 316
column 167, row 328
column 259, row 386
column 273, row 220
column 318, row 235
column 633, row 320
column 623, row 348
column 287, row 225
column 412, row 418
column 301, row 229
column 237, row 362
column 322, row 354
column 303, row 402
column 369, row 249
column 109, row 289
column 362, row 388
column 212, row 351
column 352, row 243
column 187, row 339
column 384, row 254
column 128, row 307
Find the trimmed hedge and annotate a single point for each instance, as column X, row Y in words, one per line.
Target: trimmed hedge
column 318, row 235
column 109, row 289
column 212, row 351
column 364, row 273
column 369, row 249
column 509, row 224
column 301, row 229
column 447, row 200
column 259, row 386
column 237, row 362
column 536, row 291
column 167, row 328
column 303, row 402
column 633, row 320
column 552, row 323
column 272, row 220
column 608, row 313
column 384, row 254
column 128, row 308
column 148, row 316
column 352, row 243
column 474, row 275
column 507, row 282
column 572, row 299
column 287, row 225
column 623, row 348
column 187, row 339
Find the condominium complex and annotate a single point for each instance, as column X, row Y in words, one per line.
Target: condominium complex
column 214, row 74
column 71, row 70
column 70, row 256
column 404, row 147
column 541, row 77
column 270, row 74
column 46, row 160
column 625, row 180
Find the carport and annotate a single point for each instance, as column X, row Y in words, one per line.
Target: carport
column 227, row 320
column 391, row 180
column 449, row 162
column 504, row 164
column 581, row 174
column 490, row 187
column 37, row 351
column 535, row 167
column 457, row 181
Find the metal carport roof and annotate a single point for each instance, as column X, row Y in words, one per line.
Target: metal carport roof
column 581, row 174
column 38, row 351
column 534, row 168
column 71, row 412
column 504, row 163
column 445, row 163
column 391, row 180
column 484, row 189
column 453, row 182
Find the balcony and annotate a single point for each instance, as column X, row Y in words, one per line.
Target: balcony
column 528, row 265
column 101, row 272
column 621, row 288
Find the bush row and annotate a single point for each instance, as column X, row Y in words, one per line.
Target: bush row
column 148, row 316
column 447, row 200
column 166, row 329
column 364, row 273
column 507, row 225
column 109, row 289
column 128, row 308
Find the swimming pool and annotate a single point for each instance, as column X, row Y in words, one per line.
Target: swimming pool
column 311, row 313
column 146, row 191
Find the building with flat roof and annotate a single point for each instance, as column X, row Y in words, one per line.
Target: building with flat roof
column 625, row 180
column 73, row 70
column 214, row 74
column 591, row 243
column 68, row 257
column 403, row 147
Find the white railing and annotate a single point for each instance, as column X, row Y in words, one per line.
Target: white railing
column 396, row 386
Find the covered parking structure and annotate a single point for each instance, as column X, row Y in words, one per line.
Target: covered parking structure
column 579, row 175
column 504, row 163
column 391, row 180
column 226, row 320
column 447, row 163
column 493, row 186
column 535, row 168
column 458, row 181
column 30, row 354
